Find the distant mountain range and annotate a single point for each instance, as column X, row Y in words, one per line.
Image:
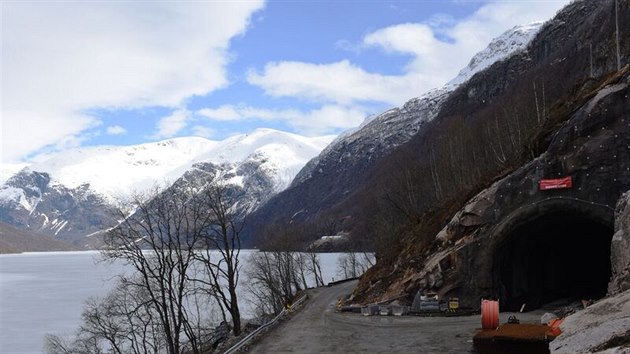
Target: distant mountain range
column 71, row 195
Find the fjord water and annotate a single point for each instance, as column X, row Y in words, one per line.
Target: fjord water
column 43, row 293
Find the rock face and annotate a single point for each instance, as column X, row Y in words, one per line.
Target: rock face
column 249, row 182
column 601, row 328
column 31, row 201
column 502, row 236
column 524, row 245
column 620, row 247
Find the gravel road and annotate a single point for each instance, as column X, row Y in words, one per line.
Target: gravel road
column 317, row 328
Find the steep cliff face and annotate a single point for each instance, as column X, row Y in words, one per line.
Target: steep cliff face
column 506, row 238
column 576, row 223
column 524, row 245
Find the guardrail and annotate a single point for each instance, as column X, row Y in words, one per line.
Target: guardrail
column 238, row 346
column 332, row 283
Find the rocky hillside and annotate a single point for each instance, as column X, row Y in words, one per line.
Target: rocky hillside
column 515, row 227
column 558, row 109
column 73, row 195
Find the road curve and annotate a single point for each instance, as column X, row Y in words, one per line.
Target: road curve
column 317, row 328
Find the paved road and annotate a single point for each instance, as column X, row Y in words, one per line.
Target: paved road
column 317, row 328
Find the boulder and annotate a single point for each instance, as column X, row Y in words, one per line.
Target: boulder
column 603, row 326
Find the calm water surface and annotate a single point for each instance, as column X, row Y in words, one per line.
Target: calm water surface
column 43, row 293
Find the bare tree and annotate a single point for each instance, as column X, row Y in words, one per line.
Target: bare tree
column 269, row 283
column 121, row 322
column 275, row 276
column 353, row 264
column 163, row 305
column 222, row 248
column 57, row 345
column 159, row 241
column 314, row 267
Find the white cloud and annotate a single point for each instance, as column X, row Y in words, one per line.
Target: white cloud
column 329, row 117
column 115, row 130
column 313, row 122
column 60, row 59
column 171, row 125
column 223, row 113
column 204, row 132
column 438, row 50
column 22, row 133
column 341, row 82
column 409, row 38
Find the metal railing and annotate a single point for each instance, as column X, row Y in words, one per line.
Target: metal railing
column 238, row 346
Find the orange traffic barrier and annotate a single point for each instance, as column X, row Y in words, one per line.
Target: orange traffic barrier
column 489, row 314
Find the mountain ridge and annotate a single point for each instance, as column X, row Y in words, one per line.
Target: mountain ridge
column 348, row 160
column 73, row 194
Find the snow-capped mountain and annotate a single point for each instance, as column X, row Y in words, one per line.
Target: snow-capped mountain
column 339, row 168
column 499, row 48
column 115, row 171
column 381, row 133
column 73, row 194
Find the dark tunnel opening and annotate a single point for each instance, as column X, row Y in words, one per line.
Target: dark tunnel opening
column 556, row 256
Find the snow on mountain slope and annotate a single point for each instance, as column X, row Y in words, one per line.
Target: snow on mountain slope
column 499, row 48
column 381, row 133
column 115, row 171
column 282, row 154
column 393, row 121
column 9, row 169
column 72, row 195
column 506, row 44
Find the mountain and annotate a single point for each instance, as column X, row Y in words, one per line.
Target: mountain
column 499, row 48
column 72, row 195
column 346, row 162
column 462, row 210
column 13, row 240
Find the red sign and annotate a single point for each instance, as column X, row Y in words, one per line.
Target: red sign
column 558, row 183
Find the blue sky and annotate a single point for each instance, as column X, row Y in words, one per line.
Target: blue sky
column 117, row 73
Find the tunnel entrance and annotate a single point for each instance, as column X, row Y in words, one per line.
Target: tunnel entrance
column 558, row 255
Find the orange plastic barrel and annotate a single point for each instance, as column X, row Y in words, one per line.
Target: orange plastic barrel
column 489, row 314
